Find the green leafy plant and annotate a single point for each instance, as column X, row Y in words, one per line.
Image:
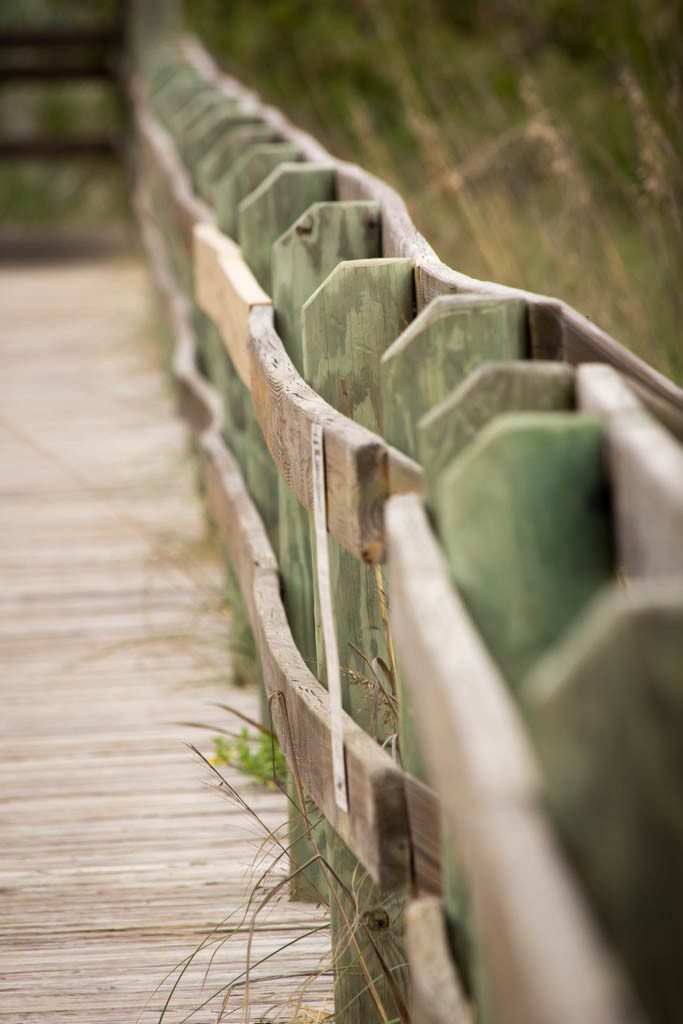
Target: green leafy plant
column 257, row 755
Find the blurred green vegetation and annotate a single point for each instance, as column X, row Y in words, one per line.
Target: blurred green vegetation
column 34, row 191
column 537, row 143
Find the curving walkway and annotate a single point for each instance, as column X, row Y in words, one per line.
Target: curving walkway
column 116, row 861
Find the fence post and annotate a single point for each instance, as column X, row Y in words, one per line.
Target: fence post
column 302, row 257
column 347, row 324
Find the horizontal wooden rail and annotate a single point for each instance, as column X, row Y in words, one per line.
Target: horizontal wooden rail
column 376, row 826
column 546, row 959
column 49, row 72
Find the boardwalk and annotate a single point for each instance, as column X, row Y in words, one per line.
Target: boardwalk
column 116, row 861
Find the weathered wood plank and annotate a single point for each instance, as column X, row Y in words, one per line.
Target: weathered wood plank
column 302, row 258
column 524, row 518
column 606, row 711
column 437, row 995
column 376, row 826
column 645, row 466
column 356, row 475
column 543, row 956
column 277, row 202
column 446, row 341
column 226, row 289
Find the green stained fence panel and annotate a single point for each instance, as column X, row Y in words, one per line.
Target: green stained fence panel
column 248, row 131
column 347, row 324
column 248, row 171
column 606, row 713
column 492, row 388
column 436, row 352
column 302, row 258
column 277, row 202
column 523, row 514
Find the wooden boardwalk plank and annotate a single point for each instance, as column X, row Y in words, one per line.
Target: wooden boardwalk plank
column 116, row 860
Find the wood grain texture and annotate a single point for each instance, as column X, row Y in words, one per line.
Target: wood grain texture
column 301, row 259
column 227, row 291
column 277, row 202
column 523, row 514
column 606, row 710
column 437, row 995
column 541, row 951
column 249, row 170
column 347, row 324
column 117, row 861
column 376, row 826
column 488, row 391
column 446, row 341
column 646, row 475
column 355, row 459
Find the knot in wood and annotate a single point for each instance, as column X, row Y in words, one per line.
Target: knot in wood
column 376, row 919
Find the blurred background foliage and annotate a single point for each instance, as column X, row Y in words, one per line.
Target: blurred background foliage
column 537, row 142
column 33, row 192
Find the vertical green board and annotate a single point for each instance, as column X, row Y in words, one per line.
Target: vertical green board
column 248, row 171
column 493, row 388
column 347, row 324
column 450, row 337
column 303, row 256
column 213, row 167
column 523, row 514
column 606, row 710
column 269, row 210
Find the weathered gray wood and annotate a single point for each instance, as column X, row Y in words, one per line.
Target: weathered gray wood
column 491, row 389
column 227, row 291
column 543, row 957
column 524, row 518
column 446, row 341
column 437, row 995
column 645, row 466
column 578, row 340
column 375, row 828
column 247, row 172
column 268, row 211
column 607, row 711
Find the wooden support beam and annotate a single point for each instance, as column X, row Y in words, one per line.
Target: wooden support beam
column 32, row 148
column 542, row 954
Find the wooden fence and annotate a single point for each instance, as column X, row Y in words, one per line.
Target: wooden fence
column 504, row 481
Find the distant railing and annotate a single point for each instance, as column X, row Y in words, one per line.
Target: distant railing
column 530, row 503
